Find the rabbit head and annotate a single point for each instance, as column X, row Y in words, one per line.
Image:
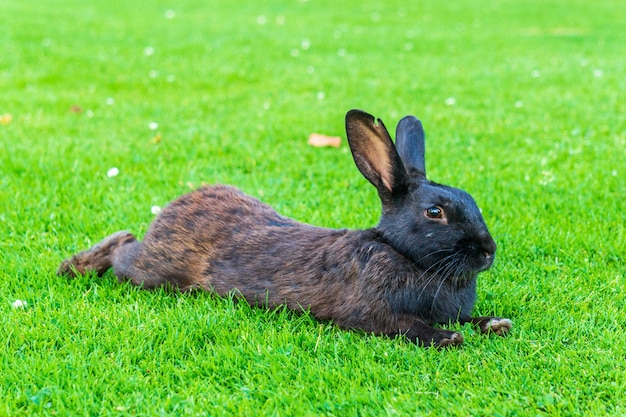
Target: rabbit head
column 439, row 228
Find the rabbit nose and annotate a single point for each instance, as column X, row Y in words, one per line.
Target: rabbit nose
column 488, row 245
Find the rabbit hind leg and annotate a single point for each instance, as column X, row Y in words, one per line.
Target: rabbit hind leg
column 126, row 255
column 129, row 265
column 144, row 268
column 98, row 258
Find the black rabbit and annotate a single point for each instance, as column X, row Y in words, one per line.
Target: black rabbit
column 416, row 268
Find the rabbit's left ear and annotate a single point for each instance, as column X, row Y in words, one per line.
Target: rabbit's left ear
column 410, row 145
column 374, row 153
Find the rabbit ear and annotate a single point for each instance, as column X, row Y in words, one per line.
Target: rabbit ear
column 374, row 153
column 410, row 145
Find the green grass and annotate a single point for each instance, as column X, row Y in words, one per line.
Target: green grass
column 535, row 132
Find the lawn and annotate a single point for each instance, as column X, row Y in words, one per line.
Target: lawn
column 523, row 106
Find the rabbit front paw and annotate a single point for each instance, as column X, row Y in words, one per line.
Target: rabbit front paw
column 497, row 326
column 448, row 338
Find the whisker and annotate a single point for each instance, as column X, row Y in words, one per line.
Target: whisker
column 432, row 254
column 436, row 273
column 462, row 270
column 452, row 269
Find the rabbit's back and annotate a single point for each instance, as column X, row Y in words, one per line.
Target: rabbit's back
column 220, row 239
column 198, row 228
column 210, row 214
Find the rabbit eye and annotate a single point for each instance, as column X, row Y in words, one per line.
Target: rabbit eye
column 435, row 212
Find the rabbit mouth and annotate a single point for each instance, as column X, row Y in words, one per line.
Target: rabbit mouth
column 487, row 263
column 469, row 266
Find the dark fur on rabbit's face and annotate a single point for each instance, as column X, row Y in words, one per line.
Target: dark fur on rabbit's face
column 456, row 245
column 439, row 228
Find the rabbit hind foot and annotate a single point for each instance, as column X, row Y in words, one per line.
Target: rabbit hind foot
column 98, row 258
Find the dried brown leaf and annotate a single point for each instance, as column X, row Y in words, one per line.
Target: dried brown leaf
column 319, row 140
